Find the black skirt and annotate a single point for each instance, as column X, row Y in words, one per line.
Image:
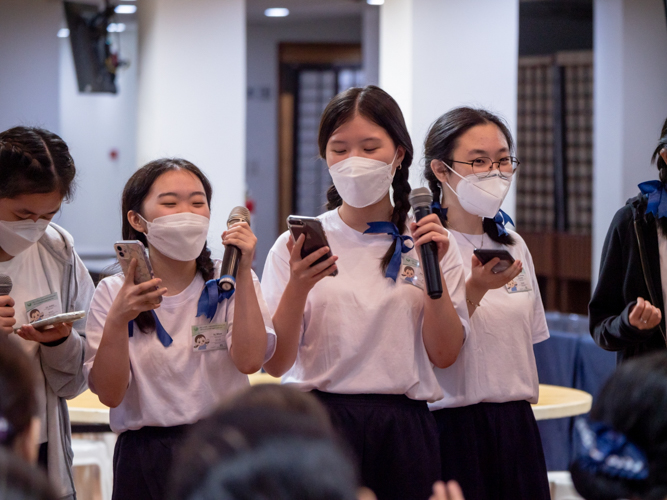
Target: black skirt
column 142, row 462
column 494, row 451
column 394, row 440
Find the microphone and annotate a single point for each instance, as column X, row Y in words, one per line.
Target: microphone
column 5, row 284
column 421, row 199
column 230, row 261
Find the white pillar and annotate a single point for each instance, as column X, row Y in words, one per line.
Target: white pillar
column 439, row 54
column 192, row 94
column 630, row 102
column 370, row 44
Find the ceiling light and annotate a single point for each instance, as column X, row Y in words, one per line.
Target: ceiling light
column 276, row 12
column 116, row 28
column 125, row 9
column 63, row 33
column 375, row 2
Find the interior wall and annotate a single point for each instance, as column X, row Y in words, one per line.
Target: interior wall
column 262, row 111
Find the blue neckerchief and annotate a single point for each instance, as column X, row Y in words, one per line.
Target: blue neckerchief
column 162, row 334
column 210, row 297
column 390, row 228
column 601, row 449
column 657, row 200
column 501, row 219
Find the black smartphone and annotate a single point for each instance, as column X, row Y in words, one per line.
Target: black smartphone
column 315, row 237
column 485, row 255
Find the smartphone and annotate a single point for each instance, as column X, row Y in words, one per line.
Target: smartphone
column 314, row 233
column 57, row 319
column 135, row 249
column 486, row 255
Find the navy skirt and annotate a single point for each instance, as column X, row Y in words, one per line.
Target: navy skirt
column 494, row 451
column 394, row 440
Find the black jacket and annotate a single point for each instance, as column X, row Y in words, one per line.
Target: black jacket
column 623, row 278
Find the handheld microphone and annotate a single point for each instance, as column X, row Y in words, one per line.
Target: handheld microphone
column 420, row 199
column 230, row 261
column 5, row 284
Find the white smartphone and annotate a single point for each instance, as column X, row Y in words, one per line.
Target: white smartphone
column 57, row 319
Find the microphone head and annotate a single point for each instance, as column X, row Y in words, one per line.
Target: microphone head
column 238, row 214
column 5, row 284
column 421, row 197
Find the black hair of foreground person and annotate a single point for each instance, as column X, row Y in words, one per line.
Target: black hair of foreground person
column 633, row 403
column 21, row 481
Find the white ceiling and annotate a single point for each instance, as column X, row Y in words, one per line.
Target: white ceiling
column 304, row 9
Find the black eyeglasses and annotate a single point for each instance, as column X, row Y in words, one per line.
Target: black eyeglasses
column 483, row 166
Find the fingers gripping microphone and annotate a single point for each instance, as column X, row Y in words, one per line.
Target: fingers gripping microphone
column 421, row 199
column 230, row 261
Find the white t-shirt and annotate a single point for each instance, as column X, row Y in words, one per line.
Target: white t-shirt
column 172, row 385
column 497, row 363
column 362, row 332
column 29, row 282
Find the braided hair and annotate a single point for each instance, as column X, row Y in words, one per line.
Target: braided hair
column 440, row 143
column 34, row 160
column 135, row 192
column 375, row 105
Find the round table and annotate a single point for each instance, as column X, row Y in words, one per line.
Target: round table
column 554, row 402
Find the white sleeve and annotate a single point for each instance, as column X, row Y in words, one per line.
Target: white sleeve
column 276, row 273
column 455, row 280
column 540, row 330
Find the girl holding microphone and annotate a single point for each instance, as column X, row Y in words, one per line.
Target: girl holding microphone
column 489, row 439
column 143, row 355
column 365, row 340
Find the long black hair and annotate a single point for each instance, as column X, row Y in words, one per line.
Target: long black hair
column 442, row 140
column 375, row 105
column 135, row 192
column 34, row 160
column 656, row 158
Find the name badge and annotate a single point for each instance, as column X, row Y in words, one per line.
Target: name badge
column 43, row 307
column 411, row 272
column 209, row 337
column 521, row 283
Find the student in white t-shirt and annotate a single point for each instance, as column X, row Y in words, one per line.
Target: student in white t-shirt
column 36, row 174
column 143, row 350
column 364, row 341
column 489, row 439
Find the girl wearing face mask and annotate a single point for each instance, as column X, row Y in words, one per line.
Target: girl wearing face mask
column 364, row 341
column 489, row 438
column 37, row 174
column 142, row 353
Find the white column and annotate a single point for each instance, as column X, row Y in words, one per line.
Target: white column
column 192, row 94
column 630, row 102
column 370, row 43
column 439, row 54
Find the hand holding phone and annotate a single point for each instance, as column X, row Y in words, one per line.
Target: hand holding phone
column 314, row 237
column 52, row 329
column 310, row 256
column 486, row 255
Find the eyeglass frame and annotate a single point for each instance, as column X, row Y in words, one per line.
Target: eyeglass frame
column 513, row 159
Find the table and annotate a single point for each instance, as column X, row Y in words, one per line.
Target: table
column 560, row 402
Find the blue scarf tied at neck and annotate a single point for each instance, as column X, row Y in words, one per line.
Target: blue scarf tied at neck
column 390, row 228
column 501, row 219
column 210, row 297
column 162, row 334
column 657, row 200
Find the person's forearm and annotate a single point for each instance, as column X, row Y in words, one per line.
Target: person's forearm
column 442, row 330
column 249, row 332
column 110, row 374
column 287, row 323
column 474, row 295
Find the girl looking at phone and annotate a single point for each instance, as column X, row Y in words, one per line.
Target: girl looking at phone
column 489, row 438
column 364, row 340
column 142, row 355
column 37, row 174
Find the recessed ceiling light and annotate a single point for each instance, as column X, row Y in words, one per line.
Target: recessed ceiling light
column 116, row 28
column 276, row 12
column 375, row 2
column 63, row 33
column 125, row 9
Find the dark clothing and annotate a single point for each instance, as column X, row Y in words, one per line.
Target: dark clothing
column 142, row 462
column 393, row 438
column 494, row 451
column 623, row 278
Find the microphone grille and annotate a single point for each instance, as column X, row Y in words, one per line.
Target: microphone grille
column 238, row 214
column 5, row 284
column 421, row 197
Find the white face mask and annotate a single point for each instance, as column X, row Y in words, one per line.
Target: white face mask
column 481, row 196
column 17, row 236
column 178, row 236
column 362, row 181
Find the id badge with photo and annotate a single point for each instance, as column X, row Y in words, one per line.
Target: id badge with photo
column 209, row 337
column 43, row 307
column 521, row 283
column 411, row 272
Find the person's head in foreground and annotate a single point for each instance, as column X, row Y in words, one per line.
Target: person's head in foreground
column 622, row 446
column 22, row 481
